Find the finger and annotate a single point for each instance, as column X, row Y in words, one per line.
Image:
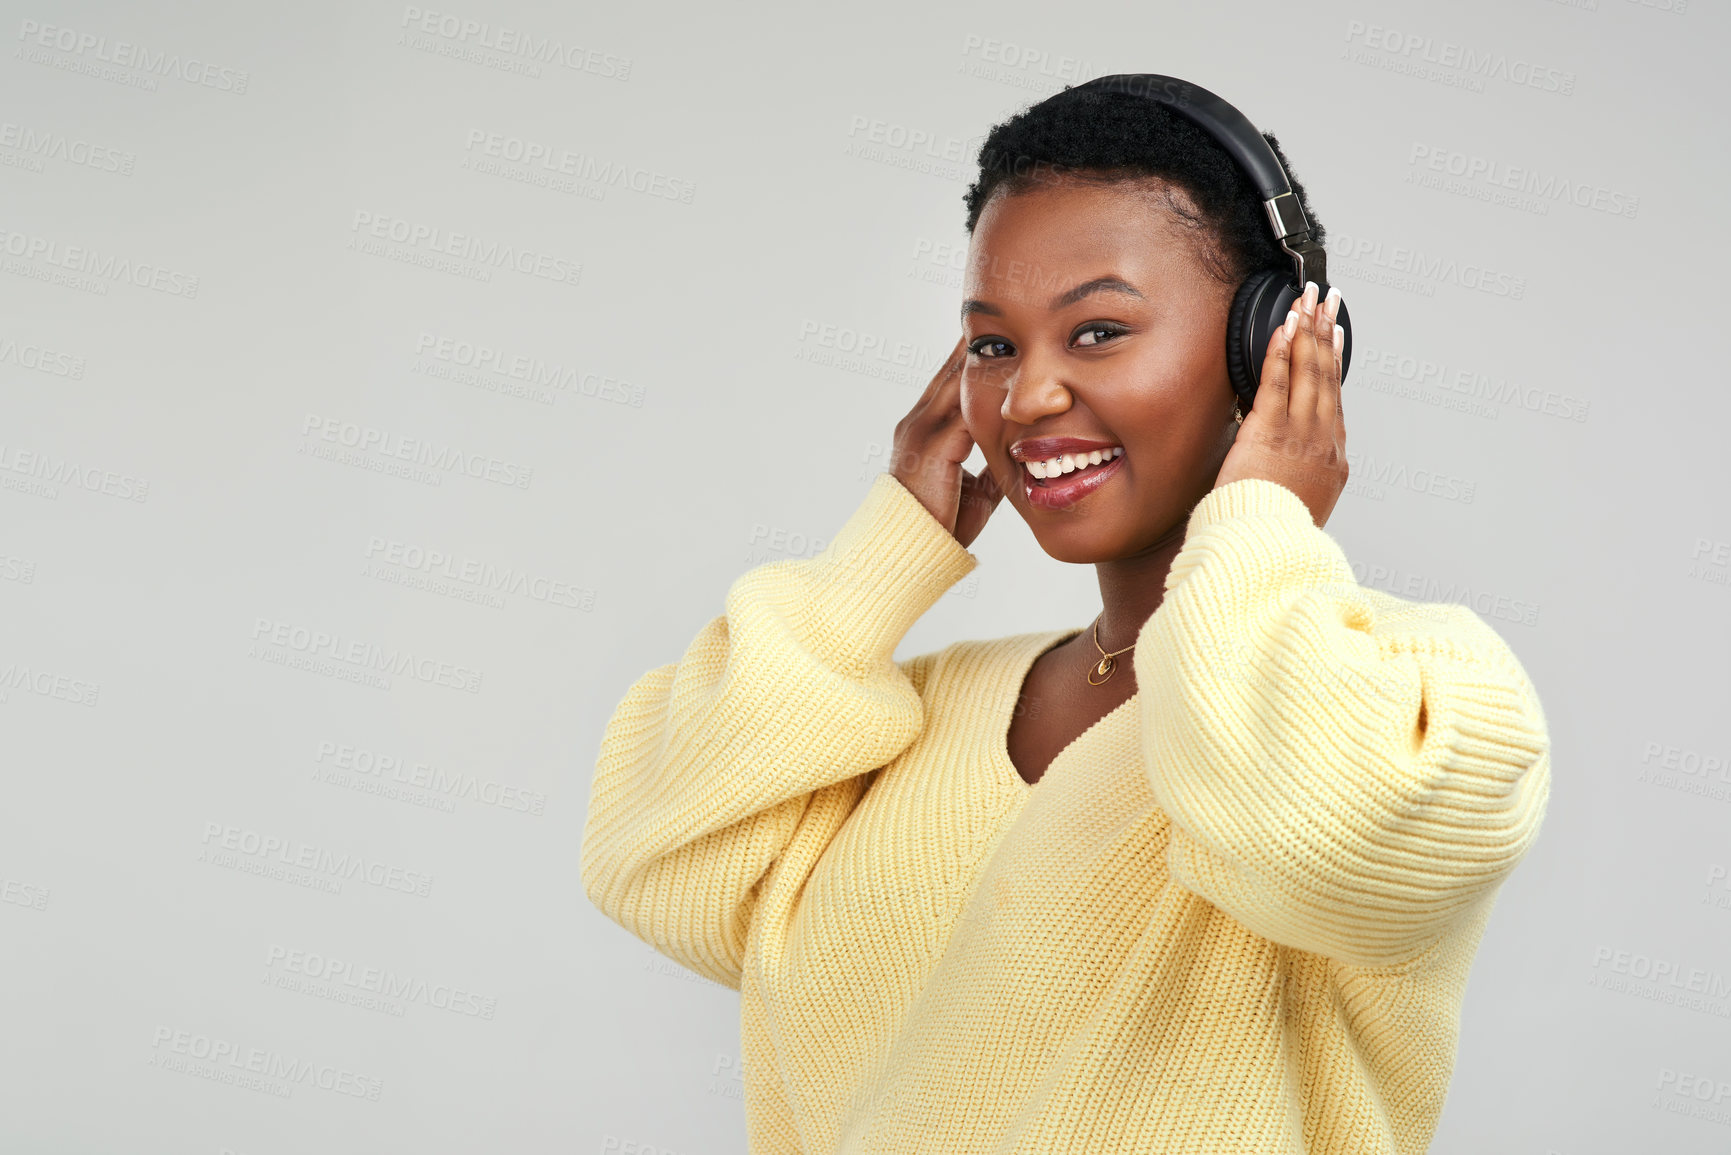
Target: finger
column 957, row 358
column 1327, row 368
column 1306, row 357
column 1339, row 407
column 949, row 373
column 980, row 495
column 1331, row 304
column 1273, row 388
column 1328, row 397
column 982, row 487
column 1331, row 337
column 937, row 415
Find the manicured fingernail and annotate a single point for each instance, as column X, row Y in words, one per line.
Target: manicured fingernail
column 1310, row 292
column 1332, row 304
column 1339, row 340
column 1291, row 322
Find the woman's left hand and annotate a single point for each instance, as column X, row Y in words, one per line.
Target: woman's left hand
column 1295, row 432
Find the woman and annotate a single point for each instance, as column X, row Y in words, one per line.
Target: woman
column 1032, row 894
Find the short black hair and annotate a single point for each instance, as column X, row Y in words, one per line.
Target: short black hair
column 1090, row 135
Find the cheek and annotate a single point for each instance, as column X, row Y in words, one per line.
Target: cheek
column 980, row 410
column 1135, row 413
column 1169, row 398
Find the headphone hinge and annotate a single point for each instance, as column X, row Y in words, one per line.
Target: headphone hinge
column 1309, row 259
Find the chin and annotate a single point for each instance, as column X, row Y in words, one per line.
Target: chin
column 1086, row 534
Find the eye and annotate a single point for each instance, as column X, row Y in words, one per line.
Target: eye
column 1111, row 331
column 1100, row 327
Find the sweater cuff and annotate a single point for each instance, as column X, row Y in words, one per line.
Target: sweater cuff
column 1250, row 495
column 890, row 563
column 1263, row 525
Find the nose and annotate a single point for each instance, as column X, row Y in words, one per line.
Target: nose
column 1035, row 390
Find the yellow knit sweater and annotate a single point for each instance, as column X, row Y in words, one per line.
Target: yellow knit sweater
column 1235, row 915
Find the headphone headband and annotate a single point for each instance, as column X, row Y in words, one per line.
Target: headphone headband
column 1234, row 132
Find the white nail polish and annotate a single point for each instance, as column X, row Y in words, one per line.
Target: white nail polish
column 1291, row 322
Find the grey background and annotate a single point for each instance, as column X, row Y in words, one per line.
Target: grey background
column 164, row 513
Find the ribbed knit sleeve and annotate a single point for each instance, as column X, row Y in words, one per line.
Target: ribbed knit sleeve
column 710, row 765
column 1347, row 773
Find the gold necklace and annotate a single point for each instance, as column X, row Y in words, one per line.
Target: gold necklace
column 1107, row 662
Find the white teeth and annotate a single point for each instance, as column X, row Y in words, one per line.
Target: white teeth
column 1070, row 462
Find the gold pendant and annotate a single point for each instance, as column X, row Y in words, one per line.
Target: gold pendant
column 1104, row 668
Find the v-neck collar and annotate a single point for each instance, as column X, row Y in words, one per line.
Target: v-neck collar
column 1020, row 662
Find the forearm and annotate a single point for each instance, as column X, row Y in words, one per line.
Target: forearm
column 708, row 764
column 1347, row 772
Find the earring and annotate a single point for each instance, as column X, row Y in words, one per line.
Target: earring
column 1238, row 412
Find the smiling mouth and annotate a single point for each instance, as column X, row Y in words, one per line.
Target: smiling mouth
column 1068, row 463
column 1060, row 490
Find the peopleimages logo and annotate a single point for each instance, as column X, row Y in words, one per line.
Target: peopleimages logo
column 1470, row 384
column 257, row 1068
column 1478, row 63
column 35, row 680
column 224, row 842
column 330, row 976
column 373, row 766
column 420, row 451
column 104, row 266
column 434, row 240
column 40, row 144
column 29, row 355
column 581, row 166
column 1421, row 267
column 518, row 42
column 475, row 572
column 1149, row 86
column 1499, row 176
column 305, row 644
column 54, row 472
column 125, row 54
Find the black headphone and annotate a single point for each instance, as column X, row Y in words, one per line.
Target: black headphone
column 1264, row 298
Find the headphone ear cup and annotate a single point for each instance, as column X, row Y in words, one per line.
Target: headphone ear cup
column 1259, row 307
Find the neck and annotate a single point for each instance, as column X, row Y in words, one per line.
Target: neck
column 1132, row 588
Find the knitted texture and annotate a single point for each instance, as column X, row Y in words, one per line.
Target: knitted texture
column 1237, row 914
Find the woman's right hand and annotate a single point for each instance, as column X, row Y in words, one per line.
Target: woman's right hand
column 930, row 445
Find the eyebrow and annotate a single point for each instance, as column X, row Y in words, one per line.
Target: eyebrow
column 1107, row 284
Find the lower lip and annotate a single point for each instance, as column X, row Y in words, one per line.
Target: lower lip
column 1061, row 493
